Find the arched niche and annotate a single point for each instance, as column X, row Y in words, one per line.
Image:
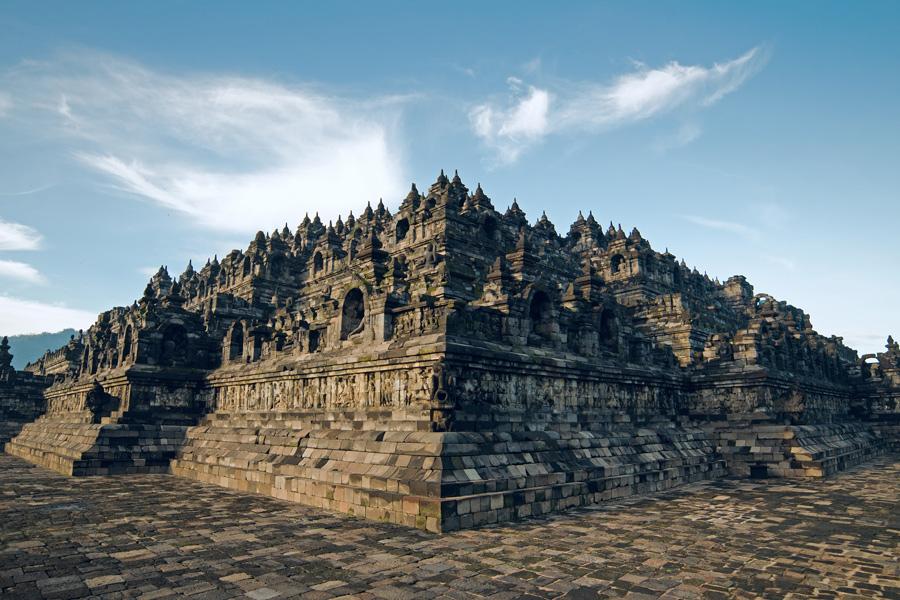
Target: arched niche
column 616, row 264
column 489, row 226
column 540, row 313
column 126, row 345
column 174, row 346
column 353, row 313
column 236, row 342
column 608, row 332
column 318, row 263
column 401, row 230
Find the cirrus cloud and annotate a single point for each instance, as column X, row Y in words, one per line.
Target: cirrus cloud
column 217, row 148
column 530, row 113
column 6, row 104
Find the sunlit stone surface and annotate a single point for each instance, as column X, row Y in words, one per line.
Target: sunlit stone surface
column 451, row 366
column 159, row 536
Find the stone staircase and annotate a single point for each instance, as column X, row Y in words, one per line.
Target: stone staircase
column 71, row 444
column 770, row 450
column 496, row 477
column 363, row 462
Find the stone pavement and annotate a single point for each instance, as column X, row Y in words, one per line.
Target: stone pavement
column 158, row 536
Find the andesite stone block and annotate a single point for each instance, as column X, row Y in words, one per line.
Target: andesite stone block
column 448, row 366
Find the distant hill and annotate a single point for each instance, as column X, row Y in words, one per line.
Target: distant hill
column 27, row 348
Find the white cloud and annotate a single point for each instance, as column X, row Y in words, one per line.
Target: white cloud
column 232, row 153
column 12, row 269
column 594, row 107
column 6, row 104
column 18, row 316
column 685, row 134
column 15, row 236
column 512, row 130
column 864, row 343
column 740, row 229
column 37, row 190
column 533, row 65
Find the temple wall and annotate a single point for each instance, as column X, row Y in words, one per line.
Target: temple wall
column 450, row 366
column 747, row 391
column 881, row 407
column 348, row 435
column 127, row 422
column 365, row 386
column 21, row 401
column 486, row 379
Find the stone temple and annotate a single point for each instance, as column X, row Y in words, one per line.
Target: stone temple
column 449, row 366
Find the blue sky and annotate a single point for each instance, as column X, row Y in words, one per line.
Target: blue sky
column 760, row 139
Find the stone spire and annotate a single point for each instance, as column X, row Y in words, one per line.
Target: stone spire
column 545, row 226
column 161, row 283
column 480, row 199
column 457, row 191
column 7, row 372
column 440, row 184
column 5, row 356
column 412, row 199
column 515, row 215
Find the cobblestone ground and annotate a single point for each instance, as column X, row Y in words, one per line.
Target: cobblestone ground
column 163, row 537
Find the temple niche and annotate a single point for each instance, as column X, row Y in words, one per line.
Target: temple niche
column 353, row 313
column 449, row 364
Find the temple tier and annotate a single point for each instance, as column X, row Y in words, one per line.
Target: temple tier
column 449, row 366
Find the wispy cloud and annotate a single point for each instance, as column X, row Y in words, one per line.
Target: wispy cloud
column 15, row 236
column 782, row 261
column 218, row 147
column 685, row 134
column 6, row 104
column 533, row 66
column 148, row 272
column 19, row 316
column 12, row 269
column 745, row 231
column 772, row 214
column 467, row 71
column 28, row 192
column 510, row 131
column 595, row 107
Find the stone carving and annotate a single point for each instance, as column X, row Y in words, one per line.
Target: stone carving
column 455, row 320
column 7, row 372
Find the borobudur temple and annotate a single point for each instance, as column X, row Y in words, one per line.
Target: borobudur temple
column 449, row 366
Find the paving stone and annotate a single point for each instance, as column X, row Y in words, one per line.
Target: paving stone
column 159, row 536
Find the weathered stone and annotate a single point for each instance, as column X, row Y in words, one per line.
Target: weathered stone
column 451, row 366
